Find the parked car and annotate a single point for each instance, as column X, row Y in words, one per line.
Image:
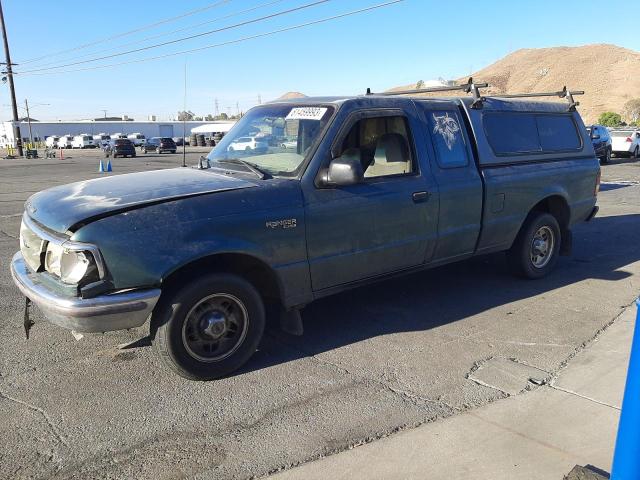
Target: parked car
column 122, row 147
column 151, row 145
column 625, row 142
column 289, row 144
column 601, row 140
column 166, row 144
column 380, row 185
column 247, row 144
column 82, row 141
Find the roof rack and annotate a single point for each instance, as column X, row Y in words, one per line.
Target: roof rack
column 468, row 87
column 564, row 93
column 474, row 89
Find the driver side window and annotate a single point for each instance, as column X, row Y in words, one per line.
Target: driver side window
column 382, row 144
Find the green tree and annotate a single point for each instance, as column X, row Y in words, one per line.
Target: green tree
column 419, row 84
column 185, row 116
column 209, row 117
column 610, row 119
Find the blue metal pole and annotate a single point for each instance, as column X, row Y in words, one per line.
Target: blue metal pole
column 626, row 458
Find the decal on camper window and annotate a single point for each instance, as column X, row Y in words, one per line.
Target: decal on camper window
column 447, row 127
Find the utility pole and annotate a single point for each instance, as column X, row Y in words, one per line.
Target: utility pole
column 184, row 120
column 259, row 100
column 14, row 105
column 105, row 113
column 26, row 106
column 217, row 110
column 238, row 109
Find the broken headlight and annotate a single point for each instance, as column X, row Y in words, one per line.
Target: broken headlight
column 71, row 266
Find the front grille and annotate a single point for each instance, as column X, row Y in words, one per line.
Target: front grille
column 31, row 247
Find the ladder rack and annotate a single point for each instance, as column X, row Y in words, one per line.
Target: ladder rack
column 474, row 89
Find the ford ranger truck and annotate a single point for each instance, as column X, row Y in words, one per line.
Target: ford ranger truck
column 376, row 185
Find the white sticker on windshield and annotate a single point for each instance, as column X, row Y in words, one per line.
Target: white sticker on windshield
column 306, row 113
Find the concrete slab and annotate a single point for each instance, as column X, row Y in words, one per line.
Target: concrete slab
column 507, row 375
column 606, row 360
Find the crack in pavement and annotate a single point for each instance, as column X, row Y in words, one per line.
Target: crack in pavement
column 54, row 430
column 571, row 392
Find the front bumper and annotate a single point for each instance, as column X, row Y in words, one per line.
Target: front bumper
column 118, row 311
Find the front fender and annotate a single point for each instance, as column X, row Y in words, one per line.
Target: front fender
column 142, row 247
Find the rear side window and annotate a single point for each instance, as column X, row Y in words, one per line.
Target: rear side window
column 448, row 139
column 521, row 133
column 557, row 133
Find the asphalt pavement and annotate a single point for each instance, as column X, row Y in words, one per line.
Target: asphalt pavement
column 372, row 362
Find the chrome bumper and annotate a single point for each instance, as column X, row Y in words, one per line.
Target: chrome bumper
column 104, row 313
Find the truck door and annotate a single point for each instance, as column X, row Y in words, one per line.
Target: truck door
column 459, row 183
column 384, row 224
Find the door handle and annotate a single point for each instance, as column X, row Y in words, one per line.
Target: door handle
column 419, row 197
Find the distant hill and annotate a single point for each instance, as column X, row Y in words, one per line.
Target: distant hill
column 609, row 75
column 291, row 95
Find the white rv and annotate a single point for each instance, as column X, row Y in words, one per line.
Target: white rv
column 101, row 140
column 137, row 139
column 65, row 141
column 52, row 141
column 82, row 141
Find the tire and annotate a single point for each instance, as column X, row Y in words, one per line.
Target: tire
column 247, row 149
column 607, row 157
column 181, row 339
column 159, row 151
column 636, row 153
column 539, row 226
column 173, row 151
column 231, row 149
column 133, row 156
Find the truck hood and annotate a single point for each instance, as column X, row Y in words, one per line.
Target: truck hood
column 66, row 207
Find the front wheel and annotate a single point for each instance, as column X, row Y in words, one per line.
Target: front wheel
column 535, row 250
column 210, row 327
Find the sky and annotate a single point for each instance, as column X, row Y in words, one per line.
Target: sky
column 394, row 45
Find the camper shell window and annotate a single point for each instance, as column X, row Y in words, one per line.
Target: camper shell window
column 516, row 133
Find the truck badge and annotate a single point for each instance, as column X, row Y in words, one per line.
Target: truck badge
column 285, row 223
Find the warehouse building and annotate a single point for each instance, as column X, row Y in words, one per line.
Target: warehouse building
column 42, row 130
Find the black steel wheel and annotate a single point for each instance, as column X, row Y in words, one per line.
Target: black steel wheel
column 210, row 327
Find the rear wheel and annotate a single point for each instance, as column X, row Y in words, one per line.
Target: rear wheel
column 636, row 152
column 535, row 250
column 607, row 157
column 210, row 327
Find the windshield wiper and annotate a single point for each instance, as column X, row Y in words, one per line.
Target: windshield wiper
column 252, row 167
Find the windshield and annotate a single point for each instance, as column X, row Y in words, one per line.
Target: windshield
column 274, row 138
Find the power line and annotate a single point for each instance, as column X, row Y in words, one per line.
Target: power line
column 164, row 34
column 130, row 32
column 230, row 42
column 190, row 37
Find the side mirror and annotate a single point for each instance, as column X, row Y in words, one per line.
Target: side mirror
column 345, row 170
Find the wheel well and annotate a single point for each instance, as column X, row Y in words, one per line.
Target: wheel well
column 556, row 206
column 258, row 273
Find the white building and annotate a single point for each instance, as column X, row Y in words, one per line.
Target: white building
column 42, row 130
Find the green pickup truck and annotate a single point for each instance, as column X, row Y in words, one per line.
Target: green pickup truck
column 325, row 194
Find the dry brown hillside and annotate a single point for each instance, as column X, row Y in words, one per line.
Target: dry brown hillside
column 609, row 75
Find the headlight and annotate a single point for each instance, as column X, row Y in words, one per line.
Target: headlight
column 70, row 265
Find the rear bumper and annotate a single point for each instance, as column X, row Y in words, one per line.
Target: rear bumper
column 593, row 213
column 118, row 311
